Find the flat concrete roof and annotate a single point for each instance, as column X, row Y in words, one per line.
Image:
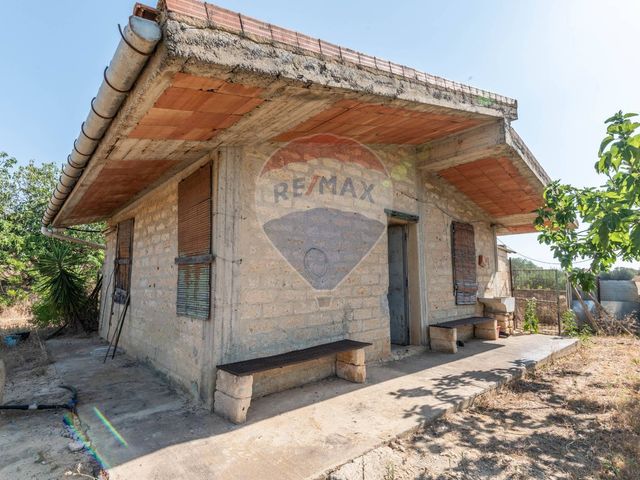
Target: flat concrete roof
column 219, row 78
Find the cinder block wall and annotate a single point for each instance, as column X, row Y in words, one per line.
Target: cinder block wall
column 152, row 330
column 278, row 310
column 445, row 204
column 274, row 309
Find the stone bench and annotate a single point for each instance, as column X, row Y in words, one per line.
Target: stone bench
column 444, row 336
column 234, row 381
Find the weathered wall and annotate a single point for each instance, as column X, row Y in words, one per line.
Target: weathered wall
column 443, row 204
column 503, row 274
column 262, row 305
column 152, row 330
column 278, row 310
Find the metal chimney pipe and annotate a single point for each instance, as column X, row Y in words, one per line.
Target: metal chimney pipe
column 139, row 39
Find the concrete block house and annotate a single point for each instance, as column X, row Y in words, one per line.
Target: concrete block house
column 267, row 193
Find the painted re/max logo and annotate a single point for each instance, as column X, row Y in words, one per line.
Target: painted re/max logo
column 299, row 187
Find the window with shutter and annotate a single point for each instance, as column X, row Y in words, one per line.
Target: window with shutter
column 463, row 251
column 194, row 244
column 124, row 248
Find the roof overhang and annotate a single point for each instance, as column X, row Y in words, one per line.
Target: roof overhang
column 211, row 86
column 493, row 167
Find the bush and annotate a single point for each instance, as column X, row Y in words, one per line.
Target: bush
column 531, row 321
column 571, row 328
column 569, row 324
column 62, row 289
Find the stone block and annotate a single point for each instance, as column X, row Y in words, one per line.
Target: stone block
column 445, row 346
column 353, row 373
column 233, row 385
column 487, row 330
column 446, row 334
column 233, row 409
column 354, row 357
column 464, row 332
column 291, row 376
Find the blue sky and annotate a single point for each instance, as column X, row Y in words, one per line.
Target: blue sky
column 570, row 64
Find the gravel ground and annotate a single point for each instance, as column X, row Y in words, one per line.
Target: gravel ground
column 576, row 418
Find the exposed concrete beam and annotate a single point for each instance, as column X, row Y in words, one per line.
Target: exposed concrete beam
column 515, row 224
column 517, row 219
column 480, row 142
column 520, row 149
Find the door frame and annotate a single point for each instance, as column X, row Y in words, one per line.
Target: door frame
column 413, row 268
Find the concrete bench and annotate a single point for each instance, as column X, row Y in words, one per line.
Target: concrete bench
column 444, row 336
column 234, row 381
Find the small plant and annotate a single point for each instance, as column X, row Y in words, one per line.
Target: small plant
column 531, row 322
column 391, row 472
column 570, row 326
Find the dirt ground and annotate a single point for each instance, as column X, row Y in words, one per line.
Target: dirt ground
column 35, row 444
column 576, row 418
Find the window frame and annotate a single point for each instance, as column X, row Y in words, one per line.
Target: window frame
column 463, row 262
column 195, row 256
column 122, row 281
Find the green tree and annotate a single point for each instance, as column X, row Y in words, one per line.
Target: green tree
column 620, row 273
column 518, row 263
column 610, row 213
column 24, row 193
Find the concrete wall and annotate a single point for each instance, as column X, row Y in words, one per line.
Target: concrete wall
column 261, row 304
column 502, row 282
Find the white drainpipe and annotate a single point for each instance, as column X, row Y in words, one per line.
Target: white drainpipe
column 139, row 39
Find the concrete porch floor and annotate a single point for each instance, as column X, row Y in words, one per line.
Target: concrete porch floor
column 300, row 433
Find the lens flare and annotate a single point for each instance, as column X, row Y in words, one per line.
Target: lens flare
column 70, row 422
column 110, row 427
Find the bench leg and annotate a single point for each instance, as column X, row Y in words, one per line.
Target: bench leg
column 487, row 330
column 443, row 339
column 351, row 366
column 464, row 332
column 232, row 396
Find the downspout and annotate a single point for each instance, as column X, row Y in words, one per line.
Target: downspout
column 57, row 233
column 139, row 39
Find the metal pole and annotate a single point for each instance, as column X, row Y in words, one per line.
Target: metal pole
column 511, row 277
column 558, row 303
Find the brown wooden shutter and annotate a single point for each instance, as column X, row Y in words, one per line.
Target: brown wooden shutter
column 194, row 244
column 463, row 250
column 124, row 250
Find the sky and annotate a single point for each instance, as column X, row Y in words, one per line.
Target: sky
column 570, row 64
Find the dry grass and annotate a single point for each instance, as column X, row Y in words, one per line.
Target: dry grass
column 16, row 317
column 576, row 418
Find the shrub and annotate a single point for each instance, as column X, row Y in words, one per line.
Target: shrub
column 531, row 321
column 62, row 289
column 570, row 326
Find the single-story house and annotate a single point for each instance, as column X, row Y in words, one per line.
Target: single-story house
column 271, row 194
